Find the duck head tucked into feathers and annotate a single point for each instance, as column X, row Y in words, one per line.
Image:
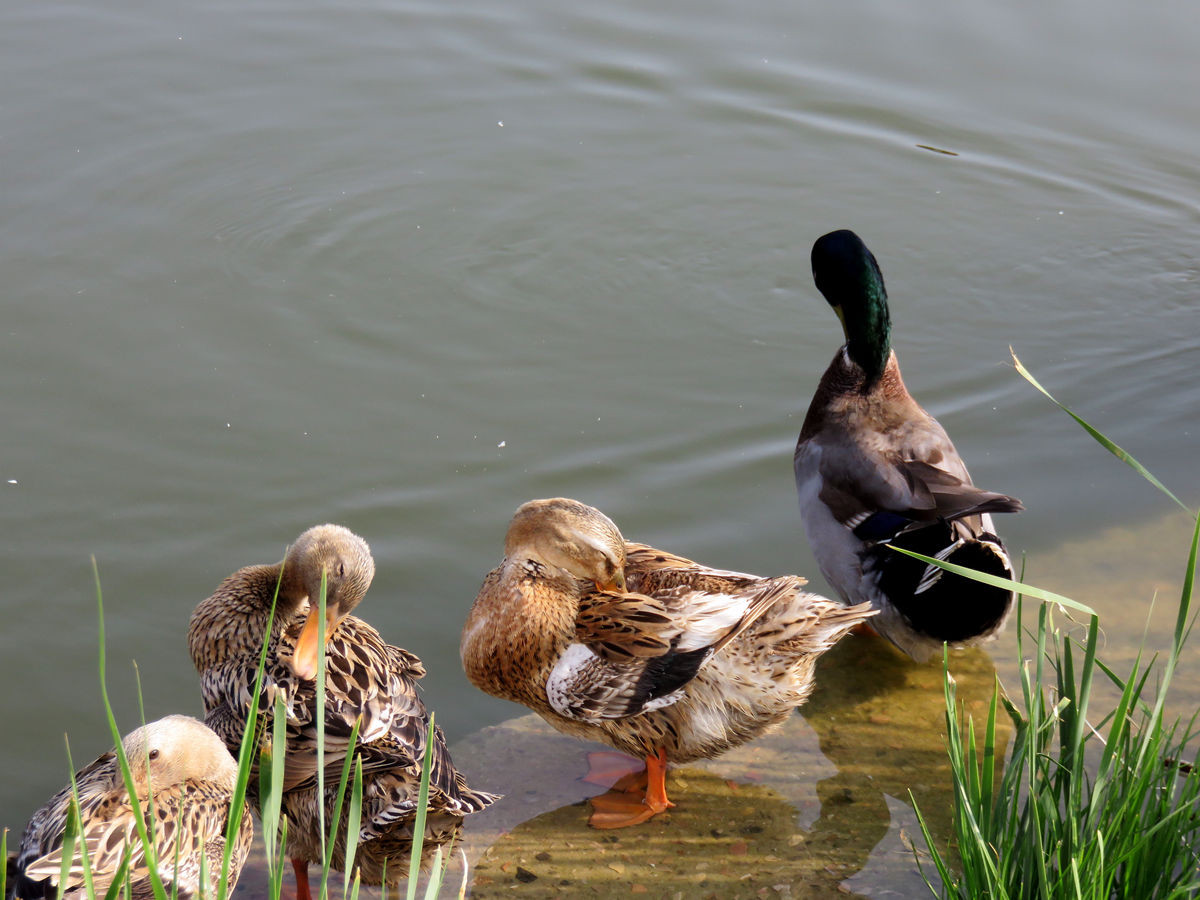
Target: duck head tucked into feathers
column 571, row 536
column 172, row 750
column 343, row 560
column 192, row 777
column 848, row 276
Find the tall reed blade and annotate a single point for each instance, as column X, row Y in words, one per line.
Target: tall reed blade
column 335, row 820
column 271, row 767
column 1104, row 442
column 320, row 720
column 70, row 835
column 414, row 862
column 353, row 823
column 148, row 845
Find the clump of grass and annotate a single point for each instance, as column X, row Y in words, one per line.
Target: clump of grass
column 270, row 758
column 1103, row 810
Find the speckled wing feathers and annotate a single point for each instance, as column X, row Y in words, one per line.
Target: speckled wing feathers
column 635, row 653
column 623, row 627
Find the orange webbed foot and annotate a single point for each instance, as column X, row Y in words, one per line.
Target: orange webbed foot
column 622, row 807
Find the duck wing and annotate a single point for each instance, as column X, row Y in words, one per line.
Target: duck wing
column 880, row 493
column 637, row 651
column 43, row 835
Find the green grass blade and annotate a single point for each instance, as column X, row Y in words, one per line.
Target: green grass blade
column 320, row 720
column 1184, row 619
column 1103, row 441
column 353, row 822
column 70, row 835
column 271, row 768
column 414, row 862
column 437, row 872
column 156, row 884
column 119, row 879
column 175, row 869
column 276, row 876
column 1015, row 586
column 938, row 862
column 336, row 818
column 245, row 758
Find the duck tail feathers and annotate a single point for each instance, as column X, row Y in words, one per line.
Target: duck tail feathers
column 941, row 606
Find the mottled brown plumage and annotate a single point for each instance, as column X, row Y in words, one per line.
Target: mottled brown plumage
column 366, row 680
column 654, row 654
column 190, row 775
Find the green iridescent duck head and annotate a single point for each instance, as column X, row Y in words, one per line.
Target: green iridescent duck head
column 848, row 276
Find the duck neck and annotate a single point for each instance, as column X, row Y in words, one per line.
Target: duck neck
column 869, row 333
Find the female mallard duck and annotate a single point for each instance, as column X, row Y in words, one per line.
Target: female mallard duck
column 658, row 656
column 873, row 469
column 366, row 680
column 189, row 774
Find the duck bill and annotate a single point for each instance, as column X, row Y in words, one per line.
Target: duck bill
column 841, row 314
column 304, row 661
column 615, row 584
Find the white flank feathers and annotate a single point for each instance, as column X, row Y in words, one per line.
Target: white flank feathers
column 574, row 660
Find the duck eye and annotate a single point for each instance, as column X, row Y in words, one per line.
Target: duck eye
column 153, row 754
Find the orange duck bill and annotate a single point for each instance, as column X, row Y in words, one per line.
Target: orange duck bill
column 304, row 660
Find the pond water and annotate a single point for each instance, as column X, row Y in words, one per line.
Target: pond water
column 404, row 265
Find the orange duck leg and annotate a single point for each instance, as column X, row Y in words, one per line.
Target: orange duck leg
column 300, row 867
column 622, row 807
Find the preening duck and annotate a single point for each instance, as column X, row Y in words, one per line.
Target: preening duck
column 875, row 470
column 366, row 680
column 658, row 656
column 190, row 775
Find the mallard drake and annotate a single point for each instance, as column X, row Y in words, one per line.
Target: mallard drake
column 874, row 470
column 653, row 654
column 190, row 775
column 366, row 679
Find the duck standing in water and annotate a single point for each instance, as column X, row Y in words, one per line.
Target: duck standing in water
column 191, row 776
column 366, row 680
column 874, row 470
column 655, row 655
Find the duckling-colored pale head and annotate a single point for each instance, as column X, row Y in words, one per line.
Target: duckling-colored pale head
column 174, row 749
column 848, row 276
column 572, row 536
column 344, row 559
